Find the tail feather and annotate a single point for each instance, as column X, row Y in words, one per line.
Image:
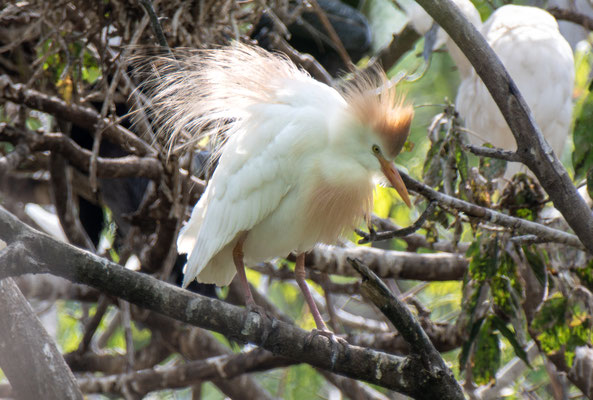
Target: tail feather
column 186, row 242
column 219, row 270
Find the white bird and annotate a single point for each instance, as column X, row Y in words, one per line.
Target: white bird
column 538, row 58
column 298, row 166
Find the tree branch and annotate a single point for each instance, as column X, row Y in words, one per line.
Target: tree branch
column 28, row 355
column 494, row 217
column 500, row 154
column 79, row 266
column 373, row 236
column 121, row 167
column 572, row 16
column 388, row 263
column 156, row 25
column 400, row 44
column 401, row 317
column 179, row 376
column 84, row 117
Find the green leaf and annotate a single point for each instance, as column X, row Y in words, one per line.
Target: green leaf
column 484, row 264
column 33, row 123
column 582, row 158
column 487, row 354
column 491, row 168
column 585, row 274
column 511, row 337
column 562, row 326
column 537, row 260
column 465, row 350
column 461, row 161
column 590, row 182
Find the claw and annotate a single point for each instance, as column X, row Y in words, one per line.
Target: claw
column 334, row 341
column 266, row 317
column 325, row 333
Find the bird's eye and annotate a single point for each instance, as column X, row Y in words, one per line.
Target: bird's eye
column 376, row 149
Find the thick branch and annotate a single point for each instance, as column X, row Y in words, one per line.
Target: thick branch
column 50, row 255
column 388, row 263
column 148, row 380
column 444, row 385
column 28, row 355
column 533, row 150
column 572, row 16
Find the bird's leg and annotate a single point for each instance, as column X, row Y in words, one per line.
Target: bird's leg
column 239, row 264
column 299, row 271
column 249, row 301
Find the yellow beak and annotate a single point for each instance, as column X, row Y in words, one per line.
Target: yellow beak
column 390, row 172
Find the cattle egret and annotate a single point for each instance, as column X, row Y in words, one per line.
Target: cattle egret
column 538, row 58
column 297, row 167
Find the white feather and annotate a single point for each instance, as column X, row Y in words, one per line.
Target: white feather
column 288, row 138
column 540, row 61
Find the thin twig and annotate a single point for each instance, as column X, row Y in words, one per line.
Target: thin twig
column 373, row 236
column 156, row 25
column 339, row 46
column 494, row 217
column 306, row 61
column 497, row 153
column 93, row 324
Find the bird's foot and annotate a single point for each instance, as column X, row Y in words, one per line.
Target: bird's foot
column 265, row 316
column 333, row 338
column 334, row 341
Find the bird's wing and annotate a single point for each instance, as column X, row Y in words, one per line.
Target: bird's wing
column 249, row 183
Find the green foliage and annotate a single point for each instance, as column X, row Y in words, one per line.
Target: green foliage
column 585, row 274
column 6, row 147
column 537, row 260
column 292, row 387
column 562, row 326
column 69, row 327
column 524, row 198
column 582, row 158
column 467, row 346
column 491, row 168
column 33, row 123
column 91, row 71
column 511, row 336
column 487, row 354
column 63, row 68
column 491, row 268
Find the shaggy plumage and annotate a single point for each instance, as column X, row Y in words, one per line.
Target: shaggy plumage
column 299, row 159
